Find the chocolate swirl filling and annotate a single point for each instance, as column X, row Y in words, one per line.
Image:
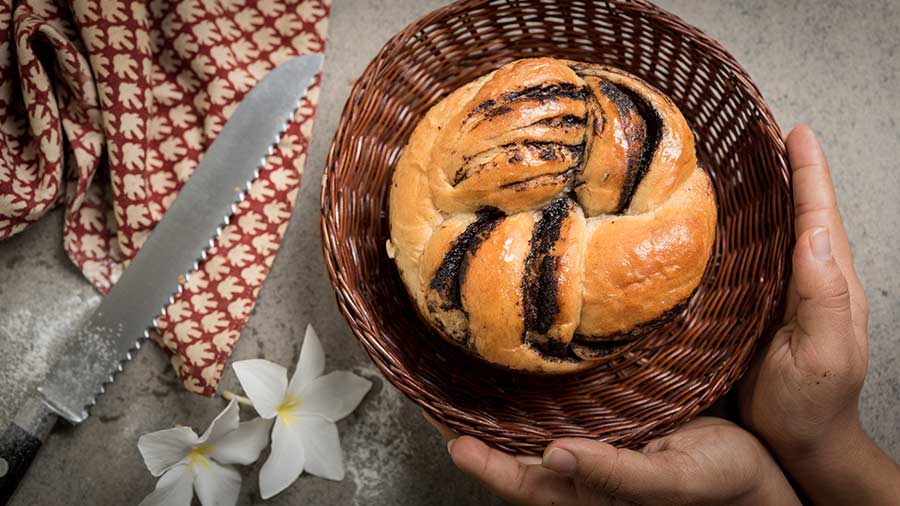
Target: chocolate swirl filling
column 446, row 280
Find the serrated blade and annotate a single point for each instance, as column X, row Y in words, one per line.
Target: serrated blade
column 189, row 227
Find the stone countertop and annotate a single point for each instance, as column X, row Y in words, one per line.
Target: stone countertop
column 832, row 64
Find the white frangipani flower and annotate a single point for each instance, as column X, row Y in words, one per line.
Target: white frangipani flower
column 188, row 462
column 305, row 410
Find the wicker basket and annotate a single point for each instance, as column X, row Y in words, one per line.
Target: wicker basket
column 667, row 377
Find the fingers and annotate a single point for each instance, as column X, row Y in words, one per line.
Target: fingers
column 625, row 474
column 815, row 204
column 507, row 477
column 448, row 434
column 823, row 310
column 813, row 189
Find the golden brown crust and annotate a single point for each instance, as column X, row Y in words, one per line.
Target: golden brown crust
column 544, row 213
column 615, row 152
column 486, row 154
column 639, row 266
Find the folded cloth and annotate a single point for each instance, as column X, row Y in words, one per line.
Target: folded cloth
column 108, row 105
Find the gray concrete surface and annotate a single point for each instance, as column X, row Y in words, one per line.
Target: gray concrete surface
column 833, row 64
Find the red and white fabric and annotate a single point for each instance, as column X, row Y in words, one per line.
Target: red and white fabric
column 106, row 107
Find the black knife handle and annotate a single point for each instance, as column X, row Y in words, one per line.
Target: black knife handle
column 17, row 449
column 20, row 443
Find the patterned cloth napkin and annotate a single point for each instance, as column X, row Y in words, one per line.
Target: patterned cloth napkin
column 108, row 105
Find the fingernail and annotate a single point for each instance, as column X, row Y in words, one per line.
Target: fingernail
column 820, row 244
column 450, row 445
column 559, row 460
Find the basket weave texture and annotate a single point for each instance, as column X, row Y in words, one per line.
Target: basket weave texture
column 667, row 377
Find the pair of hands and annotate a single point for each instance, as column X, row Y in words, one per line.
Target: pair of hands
column 800, row 398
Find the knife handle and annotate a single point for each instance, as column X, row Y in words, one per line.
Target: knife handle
column 20, row 443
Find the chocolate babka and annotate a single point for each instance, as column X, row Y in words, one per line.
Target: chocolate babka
column 550, row 208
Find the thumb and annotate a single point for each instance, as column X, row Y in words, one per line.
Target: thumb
column 823, row 309
column 607, row 470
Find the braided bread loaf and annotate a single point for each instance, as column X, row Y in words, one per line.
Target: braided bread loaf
column 547, row 209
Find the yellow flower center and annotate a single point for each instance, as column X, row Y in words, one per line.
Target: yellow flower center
column 198, row 455
column 286, row 409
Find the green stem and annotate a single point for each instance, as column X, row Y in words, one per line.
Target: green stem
column 229, row 395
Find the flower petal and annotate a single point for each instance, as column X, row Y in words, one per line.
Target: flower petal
column 286, row 460
column 322, row 445
column 311, row 364
column 173, row 489
column 334, row 395
column 265, row 384
column 242, row 446
column 165, row 448
column 216, row 485
column 224, row 423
